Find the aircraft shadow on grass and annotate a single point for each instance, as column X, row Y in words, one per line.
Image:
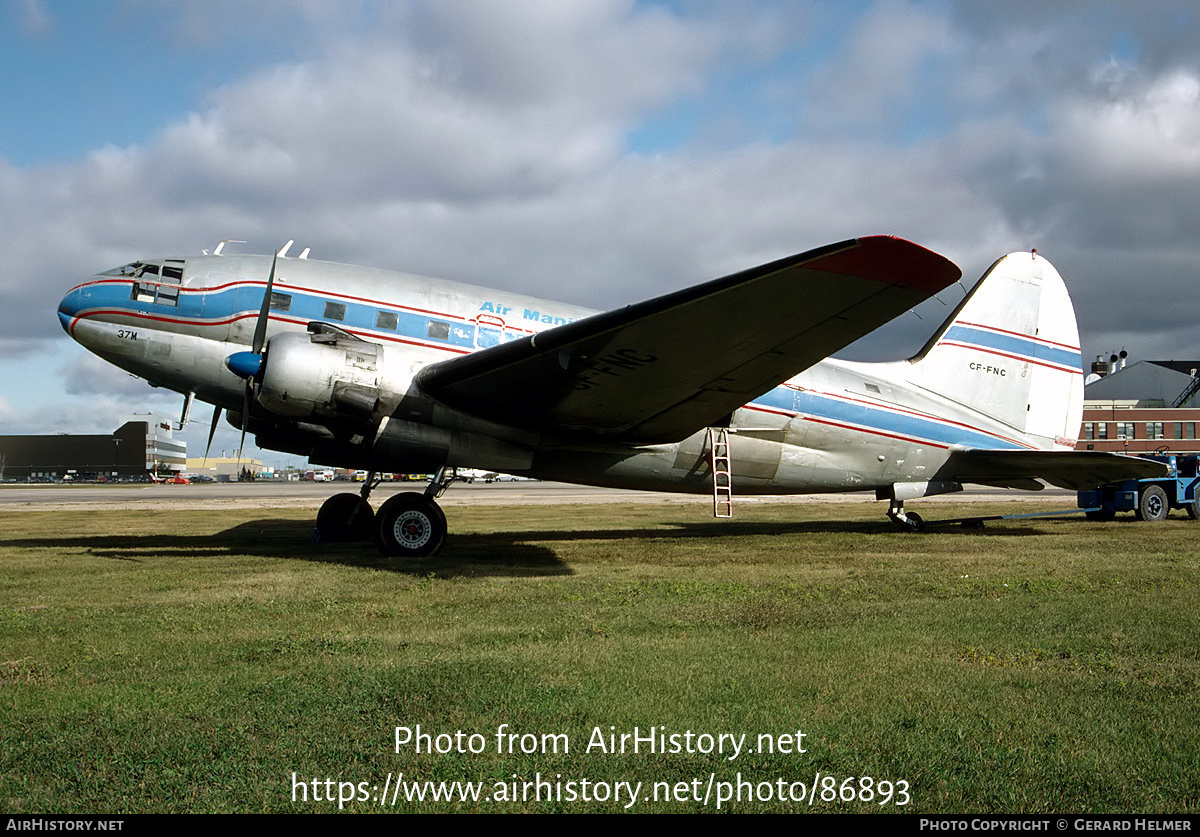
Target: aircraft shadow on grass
column 513, row 553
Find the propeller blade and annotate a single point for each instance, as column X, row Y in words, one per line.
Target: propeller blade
column 245, row 421
column 260, row 327
column 212, row 431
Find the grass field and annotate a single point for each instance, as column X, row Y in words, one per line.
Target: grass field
column 196, row 661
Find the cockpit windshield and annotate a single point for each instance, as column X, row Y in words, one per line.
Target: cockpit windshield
column 156, row 282
column 168, row 270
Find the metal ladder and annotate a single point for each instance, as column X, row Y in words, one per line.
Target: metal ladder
column 718, row 458
column 1191, row 390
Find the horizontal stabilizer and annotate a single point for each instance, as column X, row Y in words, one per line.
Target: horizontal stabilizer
column 659, row 370
column 1075, row 470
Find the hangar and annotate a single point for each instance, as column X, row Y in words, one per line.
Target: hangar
column 1142, row 407
column 141, row 446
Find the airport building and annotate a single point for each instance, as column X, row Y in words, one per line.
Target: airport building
column 226, row 468
column 1152, row 405
column 141, row 446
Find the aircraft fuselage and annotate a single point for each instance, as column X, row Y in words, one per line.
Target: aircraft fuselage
column 838, row 426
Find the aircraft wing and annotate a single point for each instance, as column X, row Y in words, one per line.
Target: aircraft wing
column 1075, row 470
column 659, row 370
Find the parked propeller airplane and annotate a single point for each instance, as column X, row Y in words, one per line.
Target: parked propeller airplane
column 726, row 386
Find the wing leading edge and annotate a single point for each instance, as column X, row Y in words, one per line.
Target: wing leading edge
column 661, row 369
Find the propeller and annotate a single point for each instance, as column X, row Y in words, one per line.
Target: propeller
column 249, row 365
column 212, row 431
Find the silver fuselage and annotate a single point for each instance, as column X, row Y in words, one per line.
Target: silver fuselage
column 837, row 426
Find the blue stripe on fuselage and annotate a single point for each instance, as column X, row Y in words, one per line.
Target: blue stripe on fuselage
column 203, row 307
column 879, row 419
column 1015, row 345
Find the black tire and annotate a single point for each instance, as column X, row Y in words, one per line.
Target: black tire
column 915, row 522
column 1193, row 508
column 344, row 517
column 410, row 525
column 1152, row 504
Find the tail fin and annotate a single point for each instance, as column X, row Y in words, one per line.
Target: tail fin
column 1011, row 351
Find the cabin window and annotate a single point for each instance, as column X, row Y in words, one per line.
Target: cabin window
column 439, row 330
column 387, row 319
column 335, row 311
column 281, row 302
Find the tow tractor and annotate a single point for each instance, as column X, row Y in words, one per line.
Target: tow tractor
column 1152, row 498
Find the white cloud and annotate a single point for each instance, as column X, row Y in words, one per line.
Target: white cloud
column 35, row 18
column 485, row 141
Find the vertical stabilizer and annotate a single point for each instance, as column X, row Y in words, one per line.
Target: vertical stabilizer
column 1011, row 351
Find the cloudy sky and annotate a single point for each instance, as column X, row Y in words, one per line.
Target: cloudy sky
column 595, row 151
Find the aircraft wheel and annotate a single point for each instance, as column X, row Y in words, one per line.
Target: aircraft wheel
column 915, row 522
column 1152, row 504
column 341, row 519
column 410, row 525
column 1193, row 508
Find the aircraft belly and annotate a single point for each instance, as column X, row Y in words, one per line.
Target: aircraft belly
column 751, row 459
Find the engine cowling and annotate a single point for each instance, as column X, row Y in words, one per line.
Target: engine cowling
column 324, row 375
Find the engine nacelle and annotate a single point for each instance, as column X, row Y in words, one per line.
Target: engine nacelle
column 324, row 375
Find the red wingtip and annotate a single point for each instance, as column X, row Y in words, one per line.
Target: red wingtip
column 894, row 261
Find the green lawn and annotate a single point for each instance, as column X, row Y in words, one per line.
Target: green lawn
column 210, row 661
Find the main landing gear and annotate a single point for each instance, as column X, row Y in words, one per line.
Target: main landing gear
column 408, row 525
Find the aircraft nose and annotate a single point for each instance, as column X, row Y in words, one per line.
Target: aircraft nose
column 69, row 307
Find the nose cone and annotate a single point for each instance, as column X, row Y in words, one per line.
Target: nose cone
column 70, row 306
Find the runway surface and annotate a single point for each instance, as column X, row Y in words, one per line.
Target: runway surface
column 309, row 495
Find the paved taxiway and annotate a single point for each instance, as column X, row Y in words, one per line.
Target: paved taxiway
column 311, row 495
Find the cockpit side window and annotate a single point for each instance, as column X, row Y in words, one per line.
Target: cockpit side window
column 143, row 291
column 172, row 270
column 153, row 282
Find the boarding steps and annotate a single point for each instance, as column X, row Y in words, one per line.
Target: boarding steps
column 718, row 458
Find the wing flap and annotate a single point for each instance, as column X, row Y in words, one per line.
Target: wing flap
column 1074, row 470
column 661, row 369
